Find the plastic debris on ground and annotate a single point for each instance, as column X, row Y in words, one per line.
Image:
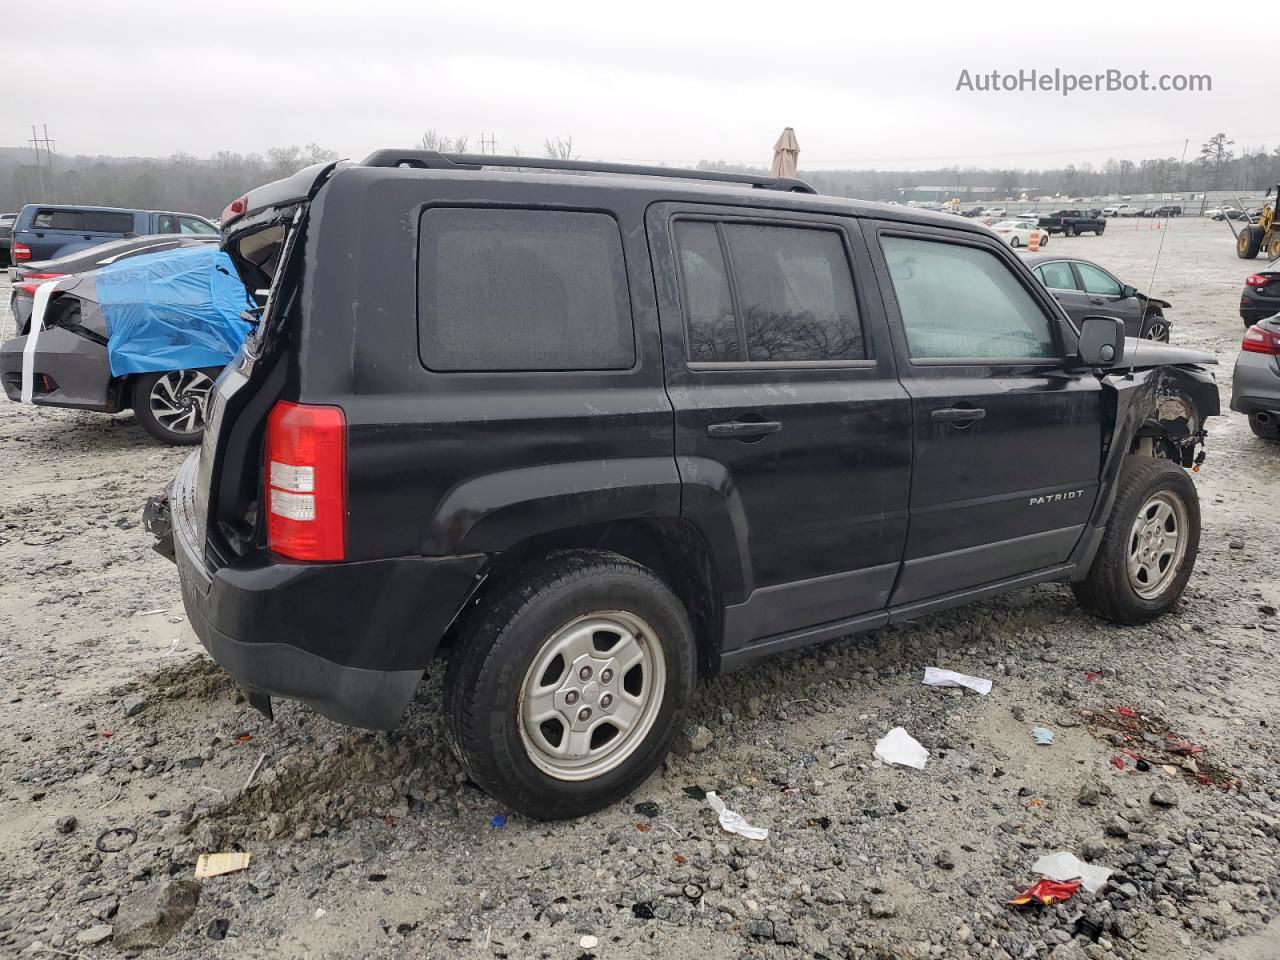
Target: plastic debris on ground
column 937, row 677
column 1046, row 892
column 497, row 820
column 1064, row 866
column 216, row 864
column 1043, row 735
column 898, row 746
column 734, row 822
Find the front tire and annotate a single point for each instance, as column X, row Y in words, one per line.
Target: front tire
column 566, row 690
column 171, row 405
column 1249, row 242
column 1156, row 327
column 1149, row 548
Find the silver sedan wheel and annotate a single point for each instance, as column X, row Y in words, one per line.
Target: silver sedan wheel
column 1158, row 329
column 177, row 400
column 591, row 695
column 1157, row 544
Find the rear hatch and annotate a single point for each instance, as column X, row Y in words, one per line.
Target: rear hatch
column 217, row 500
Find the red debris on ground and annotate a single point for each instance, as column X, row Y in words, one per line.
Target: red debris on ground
column 1046, row 892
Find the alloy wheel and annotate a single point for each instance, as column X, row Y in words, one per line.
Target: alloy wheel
column 591, row 695
column 177, row 400
column 1157, row 544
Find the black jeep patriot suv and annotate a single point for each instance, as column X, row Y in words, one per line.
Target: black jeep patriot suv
column 591, row 432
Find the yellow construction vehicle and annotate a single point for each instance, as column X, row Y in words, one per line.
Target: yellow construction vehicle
column 1263, row 236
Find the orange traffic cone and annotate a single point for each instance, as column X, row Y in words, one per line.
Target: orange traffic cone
column 1033, row 242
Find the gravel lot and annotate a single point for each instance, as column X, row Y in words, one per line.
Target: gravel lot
column 374, row 846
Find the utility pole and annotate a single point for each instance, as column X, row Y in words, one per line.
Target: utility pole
column 489, row 145
column 36, row 143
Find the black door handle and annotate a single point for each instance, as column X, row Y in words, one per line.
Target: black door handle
column 1097, row 300
column 743, row 429
column 961, row 416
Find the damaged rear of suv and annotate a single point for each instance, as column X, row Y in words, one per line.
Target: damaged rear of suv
column 592, row 432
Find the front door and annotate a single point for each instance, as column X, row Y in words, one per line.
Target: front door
column 1106, row 297
column 1007, row 441
column 792, row 431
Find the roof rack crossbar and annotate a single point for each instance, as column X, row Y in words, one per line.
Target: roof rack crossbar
column 434, row 160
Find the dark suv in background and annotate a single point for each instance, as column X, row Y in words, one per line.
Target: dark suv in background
column 44, row 231
column 592, row 436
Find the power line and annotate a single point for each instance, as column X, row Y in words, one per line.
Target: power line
column 36, row 143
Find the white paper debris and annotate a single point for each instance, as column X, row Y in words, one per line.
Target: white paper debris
column 898, row 746
column 1063, row 866
column 734, row 822
column 937, row 677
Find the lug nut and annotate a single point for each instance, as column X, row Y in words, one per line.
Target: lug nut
column 606, row 675
column 605, row 701
column 571, row 697
column 584, row 673
column 584, row 713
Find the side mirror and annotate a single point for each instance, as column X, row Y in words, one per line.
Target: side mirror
column 1101, row 341
column 1127, row 291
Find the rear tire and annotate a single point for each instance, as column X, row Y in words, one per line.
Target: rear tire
column 1265, row 431
column 171, row 405
column 1149, row 548
column 545, row 646
column 1249, row 242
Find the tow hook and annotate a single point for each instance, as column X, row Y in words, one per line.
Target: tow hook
column 157, row 520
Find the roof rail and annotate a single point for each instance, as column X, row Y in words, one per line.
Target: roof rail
column 434, row 160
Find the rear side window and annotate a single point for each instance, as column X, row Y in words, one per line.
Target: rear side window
column 522, row 290
column 108, row 222
column 962, row 302
column 58, row 220
column 794, row 293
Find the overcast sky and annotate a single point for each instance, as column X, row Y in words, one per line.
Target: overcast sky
column 864, row 84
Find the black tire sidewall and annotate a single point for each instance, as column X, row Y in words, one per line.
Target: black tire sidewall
column 492, row 749
column 1107, row 589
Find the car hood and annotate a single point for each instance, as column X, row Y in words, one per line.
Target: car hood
column 1151, row 353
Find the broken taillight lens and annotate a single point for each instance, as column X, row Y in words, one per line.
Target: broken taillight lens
column 33, row 280
column 234, row 210
column 305, row 481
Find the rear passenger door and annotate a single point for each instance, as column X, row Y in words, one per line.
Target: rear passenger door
column 1008, row 439
column 792, row 431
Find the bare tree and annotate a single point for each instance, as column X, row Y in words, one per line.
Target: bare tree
column 443, row 143
column 561, row 148
column 315, row 153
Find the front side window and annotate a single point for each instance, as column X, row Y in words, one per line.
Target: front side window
column 1098, row 281
column 1057, row 276
column 522, row 290
column 794, row 290
column 963, row 302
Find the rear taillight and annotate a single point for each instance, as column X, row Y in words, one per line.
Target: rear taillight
column 234, row 209
column 1257, row 280
column 20, row 252
column 305, row 482
column 1258, row 339
column 33, row 280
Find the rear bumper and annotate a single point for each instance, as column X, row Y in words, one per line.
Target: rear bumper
column 1256, row 309
column 1255, row 384
column 78, row 368
column 351, row 640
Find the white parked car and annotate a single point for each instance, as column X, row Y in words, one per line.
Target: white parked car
column 1111, row 211
column 995, row 211
column 1019, row 233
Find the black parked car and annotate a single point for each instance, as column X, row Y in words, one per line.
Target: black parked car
column 1260, row 297
column 594, row 436
column 1085, row 289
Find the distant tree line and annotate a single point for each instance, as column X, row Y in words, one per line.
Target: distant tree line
column 205, row 185
column 1217, row 166
column 182, row 182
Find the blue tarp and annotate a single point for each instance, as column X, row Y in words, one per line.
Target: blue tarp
column 172, row 311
